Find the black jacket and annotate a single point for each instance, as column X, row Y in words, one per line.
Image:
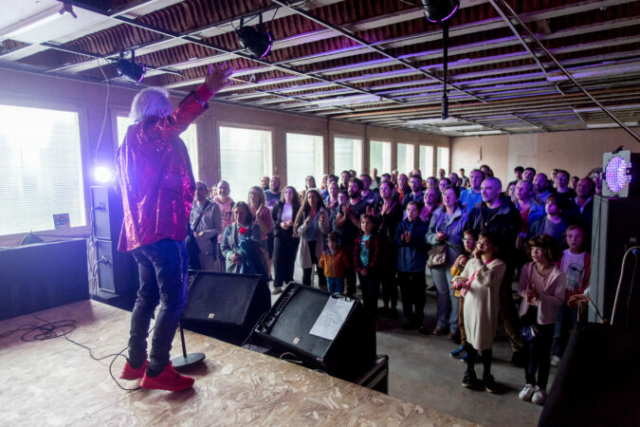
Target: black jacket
column 276, row 214
column 505, row 221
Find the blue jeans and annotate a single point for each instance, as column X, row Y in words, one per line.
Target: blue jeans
column 566, row 320
column 163, row 270
column 335, row 285
column 447, row 312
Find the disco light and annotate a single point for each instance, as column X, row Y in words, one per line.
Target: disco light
column 103, row 175
column 130, row 70
column 438, row 11
column 256, row 40
column 620, row 170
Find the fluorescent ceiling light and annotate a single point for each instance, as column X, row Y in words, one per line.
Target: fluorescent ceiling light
column 608, row 125
column 35, row 21
column 486, row 132
column 461, row 128
column 347, row 100
column 435, row 121
column 612, row 108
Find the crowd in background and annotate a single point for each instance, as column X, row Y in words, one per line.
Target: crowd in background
column 476, row 236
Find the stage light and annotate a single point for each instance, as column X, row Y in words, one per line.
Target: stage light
column 103, row 175
column 438, row 11
column 256, row 40
column 130, row 70
column 619, row 168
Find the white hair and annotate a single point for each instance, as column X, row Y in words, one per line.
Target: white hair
column 152, row 101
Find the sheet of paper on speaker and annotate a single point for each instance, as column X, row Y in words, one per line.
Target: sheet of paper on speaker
column 331, row 318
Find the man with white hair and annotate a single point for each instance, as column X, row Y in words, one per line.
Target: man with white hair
column 157, row 187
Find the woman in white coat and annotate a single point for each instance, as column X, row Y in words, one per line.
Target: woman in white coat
column 312, row 226
column 480, row 286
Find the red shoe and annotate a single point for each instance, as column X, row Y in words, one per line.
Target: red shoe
column 168, row 380
column 129, row 373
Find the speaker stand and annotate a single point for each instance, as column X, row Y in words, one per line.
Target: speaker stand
column 186, row 359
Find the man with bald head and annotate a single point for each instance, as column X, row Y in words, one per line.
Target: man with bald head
column 498, row 214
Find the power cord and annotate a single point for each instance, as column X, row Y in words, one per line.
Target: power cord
column 62, row 328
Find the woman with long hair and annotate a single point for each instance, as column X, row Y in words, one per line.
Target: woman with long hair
column 390, row 217
column 285, row 243
column 257, row 202
column 445, row 228
column 240, row 245
column 311, row 226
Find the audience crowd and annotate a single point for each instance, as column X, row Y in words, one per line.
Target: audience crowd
column 517, row 252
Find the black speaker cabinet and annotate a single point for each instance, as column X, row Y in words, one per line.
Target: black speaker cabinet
column 616, row 228
column 226, row 306
column 40, row 276
column 106, row 206
column 287, row 329
column 117, row 271
column 597, row 382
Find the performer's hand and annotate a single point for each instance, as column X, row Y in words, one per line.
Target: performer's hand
column 284, row 225
column 218, row 77
column 364, row 272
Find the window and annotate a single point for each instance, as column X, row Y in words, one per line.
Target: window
column 347, row 154
column 304, row 157
column 189, row 136
column 380, row 156
column 40, row 169
column 442, row 160
column 245, row 157
column 426, row 161
column 405, row 158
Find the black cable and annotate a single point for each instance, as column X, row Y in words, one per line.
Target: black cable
column 48, row 331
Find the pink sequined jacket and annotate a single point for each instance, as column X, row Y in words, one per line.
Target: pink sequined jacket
column 155, row 177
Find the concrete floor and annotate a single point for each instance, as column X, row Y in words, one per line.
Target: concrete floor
column 421, row 371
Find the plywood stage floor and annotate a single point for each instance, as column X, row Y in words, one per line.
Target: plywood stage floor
column 55, row 382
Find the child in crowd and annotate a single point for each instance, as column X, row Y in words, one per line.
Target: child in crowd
column 366, row 261
column 576, row 265
column 552, row 224
column 469, row 238
column 412, row 260
column 479, row 284
column 542, row 285
column 335, row 262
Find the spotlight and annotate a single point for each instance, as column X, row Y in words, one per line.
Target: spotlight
column 438, row 11
column 103, row 175
column 619, row 167
column 255, row 39
column 130, row 70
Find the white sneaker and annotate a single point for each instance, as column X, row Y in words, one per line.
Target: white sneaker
column 527, row 392
column 276, row 291
column 555, row 361
column 539, row 396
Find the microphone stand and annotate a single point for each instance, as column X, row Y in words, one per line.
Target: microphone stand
column 186, row 360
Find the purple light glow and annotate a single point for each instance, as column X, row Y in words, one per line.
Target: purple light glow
column 144, row 71
column 455, row 9
column 270, row 45
column 616, row 174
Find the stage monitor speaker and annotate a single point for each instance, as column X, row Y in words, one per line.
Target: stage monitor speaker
column 615, row 229
column 597, row 382
column 226, row 306
column 117, row 271
column 106, row 206
column 287, row 327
